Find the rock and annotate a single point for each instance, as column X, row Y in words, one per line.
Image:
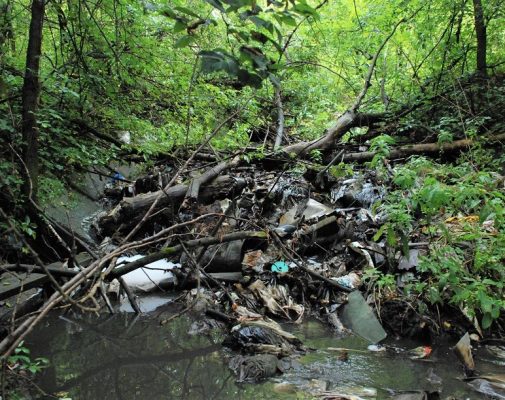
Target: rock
column 254, row 368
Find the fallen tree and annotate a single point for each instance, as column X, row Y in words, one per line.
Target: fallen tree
column 421, row 148
column 131, row 210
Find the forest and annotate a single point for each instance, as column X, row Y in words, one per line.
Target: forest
column 257, row 169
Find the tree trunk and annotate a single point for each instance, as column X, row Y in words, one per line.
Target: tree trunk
column 6, row 31
column 480, row 30
column 280, row 118
column 30, row 99
column 421, row 148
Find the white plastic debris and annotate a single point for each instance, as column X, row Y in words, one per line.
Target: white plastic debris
column 360, row 249
column 351, row 280
column 152, row 276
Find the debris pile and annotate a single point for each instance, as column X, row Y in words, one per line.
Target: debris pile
column 310, row 246
column 253, row 251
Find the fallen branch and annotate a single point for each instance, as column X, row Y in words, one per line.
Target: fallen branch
column 171, row 250
column 280, row 118
column 160, row 194
column 128, row 211
column 422, row 148
column 191, row 198
column 350, row 118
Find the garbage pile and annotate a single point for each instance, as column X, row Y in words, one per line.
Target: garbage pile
column 310, row 261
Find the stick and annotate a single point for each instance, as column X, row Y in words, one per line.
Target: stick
column 130, row 295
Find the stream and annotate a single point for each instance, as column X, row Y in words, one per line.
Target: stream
column 123, row 356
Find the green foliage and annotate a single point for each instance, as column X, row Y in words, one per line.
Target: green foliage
column 316, row 156
column 341, row 170
column 383, row 282
column 381, row 146
column 21, row 360
column 463, row 208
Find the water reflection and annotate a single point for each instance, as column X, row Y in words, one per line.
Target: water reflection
column 127, row 357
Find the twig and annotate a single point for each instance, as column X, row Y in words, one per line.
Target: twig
column 130, row 295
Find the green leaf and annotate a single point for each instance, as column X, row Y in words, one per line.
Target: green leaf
column 187, row 11
column 168, row 12
column 249, row 79
column 256, row 56
column 184, row 41
column 304, row 9
column 259, row 37
column 179, row 26
column 285, row 18
column 216, row 60
column 237, row 4
column 380, row 232
column 261, row 23
column 487, row 320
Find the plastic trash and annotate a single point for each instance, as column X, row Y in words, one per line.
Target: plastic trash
column 419, row 352
column 285, row 230
column 407, row 263
column 360, row 318
column 464, row 351
column 376, row 348
column 490, row 385
column 117, row 177
column 280, row 267
column 150, row 277
column 313, row 211
column 351, row 280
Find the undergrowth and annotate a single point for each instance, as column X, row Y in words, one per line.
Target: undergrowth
column 459, row 209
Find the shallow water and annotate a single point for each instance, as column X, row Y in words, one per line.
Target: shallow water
column 128, row 357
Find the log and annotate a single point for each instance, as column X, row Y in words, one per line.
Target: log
column 193, row 192
column 54, row 268
column 422, row 148
column 131, row 209
column 21, row 283
column 35, row 275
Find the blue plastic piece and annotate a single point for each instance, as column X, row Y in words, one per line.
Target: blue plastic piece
column 117, row 177
column 280, row 267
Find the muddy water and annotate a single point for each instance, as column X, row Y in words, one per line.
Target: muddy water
column 124, row 357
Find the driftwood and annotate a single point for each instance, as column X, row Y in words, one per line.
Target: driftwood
column 130, row 295
column 193, row 192
column 9, row 343
column 131, row 209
